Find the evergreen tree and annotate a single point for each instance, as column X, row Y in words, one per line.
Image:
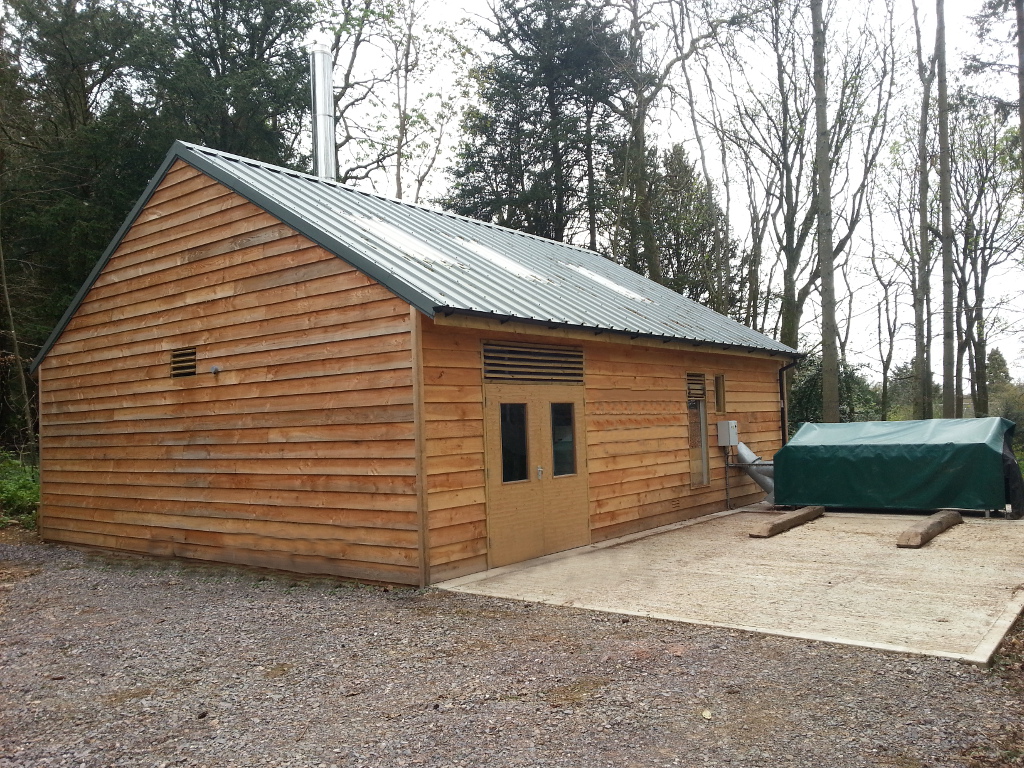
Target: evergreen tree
column 533, row 152
column 998, row 370
column 685, row 219
column 237, row 78
column 857, row 400
column 79, row 149
column 92, row 94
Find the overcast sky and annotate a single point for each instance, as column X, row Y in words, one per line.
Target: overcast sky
column 1008, row 286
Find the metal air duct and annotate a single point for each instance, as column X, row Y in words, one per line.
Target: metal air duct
column 760, row 471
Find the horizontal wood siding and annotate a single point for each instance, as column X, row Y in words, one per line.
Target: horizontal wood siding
column 453, row 432
column 298, row 454
column 637, row 433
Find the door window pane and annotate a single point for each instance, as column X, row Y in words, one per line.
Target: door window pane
column 563, row 442
column 513, row 442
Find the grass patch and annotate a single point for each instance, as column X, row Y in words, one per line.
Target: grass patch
column 19, row 493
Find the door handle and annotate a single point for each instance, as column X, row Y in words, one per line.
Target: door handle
column 540, row 471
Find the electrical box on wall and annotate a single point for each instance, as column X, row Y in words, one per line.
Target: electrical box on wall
column 728, row 434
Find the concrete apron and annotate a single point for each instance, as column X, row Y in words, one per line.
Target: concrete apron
column 838, row 579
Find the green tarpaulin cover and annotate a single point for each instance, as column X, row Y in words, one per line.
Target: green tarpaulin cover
column 934, row 464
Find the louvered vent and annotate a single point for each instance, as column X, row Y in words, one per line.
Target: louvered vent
column 183, row 362
column 695, row 387
column 533, row 363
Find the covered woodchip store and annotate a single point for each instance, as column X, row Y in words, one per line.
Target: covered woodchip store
column 270, row 369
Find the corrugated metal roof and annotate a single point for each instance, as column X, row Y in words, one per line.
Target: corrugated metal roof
column 440, row 262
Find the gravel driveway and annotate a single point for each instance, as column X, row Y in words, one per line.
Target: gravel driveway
column 110, row 661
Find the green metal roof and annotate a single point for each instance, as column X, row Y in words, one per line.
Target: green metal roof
column 443, row 263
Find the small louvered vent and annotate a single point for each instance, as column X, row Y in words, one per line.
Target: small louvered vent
column 533, row 363
column 695, row 387
column 183, row 362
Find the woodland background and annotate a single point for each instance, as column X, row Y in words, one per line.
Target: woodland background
column 677, row 138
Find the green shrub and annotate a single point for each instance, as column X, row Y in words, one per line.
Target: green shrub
column 19, row 492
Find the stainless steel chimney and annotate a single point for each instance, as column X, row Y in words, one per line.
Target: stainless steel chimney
column 325, row 162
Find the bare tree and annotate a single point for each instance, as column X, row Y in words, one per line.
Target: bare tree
column 357, row 29
column 826, row 259
column 986, row 201
column 887, row 325
column 946, row 238
column 646, row 65
column 901, row 193
column 406, row 47
column 740, row 288
column 921, row 273
column 771, row 127
column 31, row 446
column 718, row 276
column 421, row 57
column 396, row 83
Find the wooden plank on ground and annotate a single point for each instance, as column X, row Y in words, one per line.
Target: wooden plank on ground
column 923, row 531
column 785, row 522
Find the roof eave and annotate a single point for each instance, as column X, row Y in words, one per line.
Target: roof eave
column 790, row 354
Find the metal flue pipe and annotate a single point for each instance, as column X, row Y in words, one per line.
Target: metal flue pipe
column 321, row 82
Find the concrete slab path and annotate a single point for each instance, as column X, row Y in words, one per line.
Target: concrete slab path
column 838, row 579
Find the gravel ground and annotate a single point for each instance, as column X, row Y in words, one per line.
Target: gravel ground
column 111, row 661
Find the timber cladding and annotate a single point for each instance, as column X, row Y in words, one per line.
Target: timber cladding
column 298, row 452
column 636, row 431
column 229, row 390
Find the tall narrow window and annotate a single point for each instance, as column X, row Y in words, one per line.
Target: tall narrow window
column 563, row 439
column 720, row 394
column 513, row 442
column 696, row 406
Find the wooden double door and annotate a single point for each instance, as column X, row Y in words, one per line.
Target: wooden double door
column 536, row 471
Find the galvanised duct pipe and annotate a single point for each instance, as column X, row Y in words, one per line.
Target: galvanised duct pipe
column 760, row 471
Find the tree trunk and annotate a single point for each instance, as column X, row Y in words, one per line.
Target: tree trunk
column 718, row 282
column 980, row 374
column 645, row 206
column 588, row 149
column 949, row 387
column 964, row 322
column 1019, row 8
column 31, row 446
column 789, row 311
column 404, row 66
column 958, row 398
column 826, row 263
column 922, row 271
column 979, row 343
column 557, row 160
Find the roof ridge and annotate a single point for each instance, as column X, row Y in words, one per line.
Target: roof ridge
column 417, row 206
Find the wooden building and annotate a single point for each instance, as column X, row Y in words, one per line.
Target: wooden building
column 269, row 369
